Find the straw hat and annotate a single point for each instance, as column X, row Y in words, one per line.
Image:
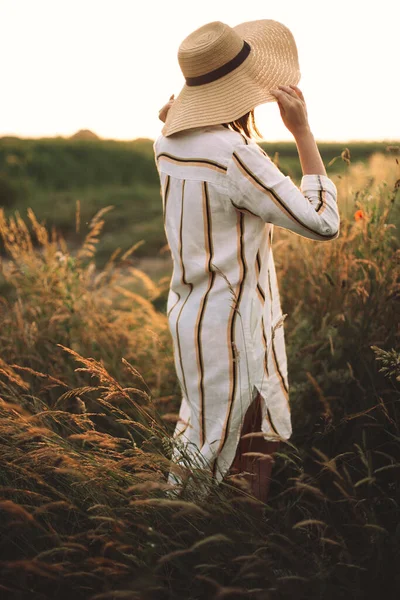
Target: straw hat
column 231, row 70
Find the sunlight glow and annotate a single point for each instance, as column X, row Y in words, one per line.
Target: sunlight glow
column 109, row 65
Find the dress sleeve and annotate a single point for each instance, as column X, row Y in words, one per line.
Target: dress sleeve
column 258, row 187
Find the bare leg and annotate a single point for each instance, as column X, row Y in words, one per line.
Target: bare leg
column 259, row 468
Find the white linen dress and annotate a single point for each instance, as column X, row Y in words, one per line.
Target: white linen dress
column 221, row 196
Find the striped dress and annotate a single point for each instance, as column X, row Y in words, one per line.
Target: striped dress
column 221, row 197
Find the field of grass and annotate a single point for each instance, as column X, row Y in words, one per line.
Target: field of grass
column 89, row 400
column 51, row 175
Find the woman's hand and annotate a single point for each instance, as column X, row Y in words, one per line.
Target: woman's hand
column 294, row 115
column 293, row 109
column 162, row 115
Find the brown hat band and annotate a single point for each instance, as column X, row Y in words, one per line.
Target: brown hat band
column 221, row 71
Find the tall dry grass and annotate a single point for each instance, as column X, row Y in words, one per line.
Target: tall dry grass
column 342, row 297
column 51, row 297
column 88, row 403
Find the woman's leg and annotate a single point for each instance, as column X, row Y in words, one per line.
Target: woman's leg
column 259, row 468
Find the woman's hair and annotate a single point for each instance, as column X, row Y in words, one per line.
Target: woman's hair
column 245, row 124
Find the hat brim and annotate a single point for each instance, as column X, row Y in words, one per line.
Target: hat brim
column 273, row 61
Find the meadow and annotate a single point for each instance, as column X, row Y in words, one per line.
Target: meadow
column 89, row 398
column 50, row 175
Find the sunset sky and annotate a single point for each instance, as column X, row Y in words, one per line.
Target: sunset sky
column 109, row 65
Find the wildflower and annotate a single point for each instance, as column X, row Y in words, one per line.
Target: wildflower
column 358, row 215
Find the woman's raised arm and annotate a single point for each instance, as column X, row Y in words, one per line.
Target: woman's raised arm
column 259, row 187
column 293, row 111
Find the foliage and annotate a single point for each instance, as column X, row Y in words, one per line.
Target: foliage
column 51, row 174
column 390, row 360
column 85, row 510
column 51, row 296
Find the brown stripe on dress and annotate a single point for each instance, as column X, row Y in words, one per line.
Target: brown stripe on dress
column 208, row 245
column 278, row 201
column 276, row 363
column 233, row 364
column 269, row 418
column 187, row 424
column 258, row 270
column 165, row 196
column 183, row 279
column 172, row 307
column 262, row 294
column 271, row 232
column 258, row 262
column 193, row 162
column 324, row 203
column 243, row 209
column 321, row 200
column 264, row 339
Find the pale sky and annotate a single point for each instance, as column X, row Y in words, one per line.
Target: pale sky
column 109, row 65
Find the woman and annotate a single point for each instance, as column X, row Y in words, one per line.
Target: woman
column 222, row 195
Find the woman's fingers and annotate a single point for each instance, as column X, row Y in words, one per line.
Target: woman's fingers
column 291, row 106
column 289, row 91
column 284, row 96
column 284, row 99
column 298, row 92
column 279, row 94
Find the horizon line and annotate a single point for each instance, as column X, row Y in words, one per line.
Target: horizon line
column 141, row 138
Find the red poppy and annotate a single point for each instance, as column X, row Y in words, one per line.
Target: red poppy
column 359, row 214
